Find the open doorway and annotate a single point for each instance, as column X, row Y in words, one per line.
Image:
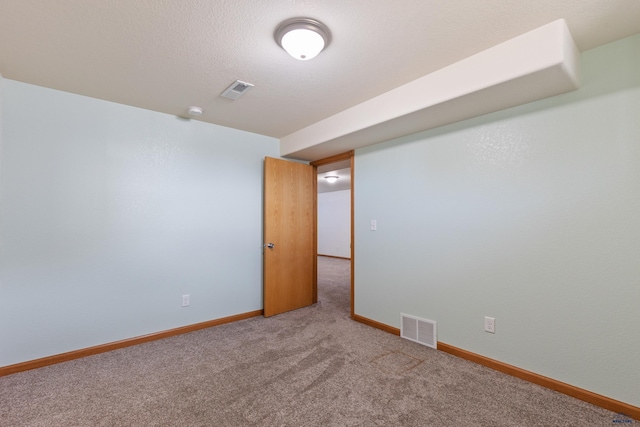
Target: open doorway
column 335, row 231
column 334, row 212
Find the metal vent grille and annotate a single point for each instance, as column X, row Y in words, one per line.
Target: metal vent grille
column 236, row 89
column 422, row 331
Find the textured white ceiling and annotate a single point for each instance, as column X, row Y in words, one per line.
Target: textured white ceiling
column 166, row 55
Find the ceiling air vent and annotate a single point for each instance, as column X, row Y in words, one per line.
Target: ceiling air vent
column 236, row 90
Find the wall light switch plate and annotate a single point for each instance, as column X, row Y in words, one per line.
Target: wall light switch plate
column 374, row 225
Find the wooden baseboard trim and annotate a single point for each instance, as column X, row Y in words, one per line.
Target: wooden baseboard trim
column 564, row 388
column 333, row 256
column 103, row 348
column 376, row 324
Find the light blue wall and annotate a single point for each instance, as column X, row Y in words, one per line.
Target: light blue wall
column 109, row 213
column 530, row 215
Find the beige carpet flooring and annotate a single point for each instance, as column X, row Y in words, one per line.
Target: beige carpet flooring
column 309, row 367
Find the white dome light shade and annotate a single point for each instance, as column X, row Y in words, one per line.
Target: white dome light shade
column 302, row 38
column 194, row 111
column 303, row 44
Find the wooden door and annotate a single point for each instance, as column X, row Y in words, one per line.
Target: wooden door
column 289, row 236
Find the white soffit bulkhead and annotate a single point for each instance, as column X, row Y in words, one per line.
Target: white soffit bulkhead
column 541, row 63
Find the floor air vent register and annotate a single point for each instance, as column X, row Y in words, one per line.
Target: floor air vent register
column 422, row 331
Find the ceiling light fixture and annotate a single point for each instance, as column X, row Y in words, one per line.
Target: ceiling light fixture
column 195, row 111
column 302, row 38
column 331, row 178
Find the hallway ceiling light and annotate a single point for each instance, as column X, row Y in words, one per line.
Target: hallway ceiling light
column 302, row 38
column 331, row 178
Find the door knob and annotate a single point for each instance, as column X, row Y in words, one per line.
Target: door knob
column 270, row 245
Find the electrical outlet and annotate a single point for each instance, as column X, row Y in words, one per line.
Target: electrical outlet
column 490, row 324
column 185, row 300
